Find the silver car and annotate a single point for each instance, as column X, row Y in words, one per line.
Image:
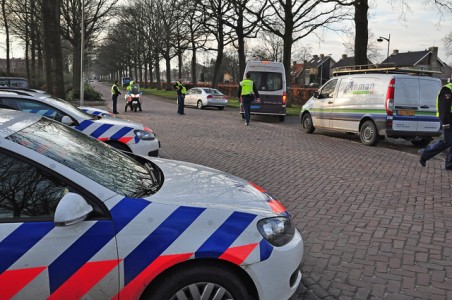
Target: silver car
column 204, row 96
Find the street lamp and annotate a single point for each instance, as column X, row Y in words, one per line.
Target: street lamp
column 380, row 39
column 82, row 42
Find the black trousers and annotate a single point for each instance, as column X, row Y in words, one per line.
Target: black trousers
column 114, row 97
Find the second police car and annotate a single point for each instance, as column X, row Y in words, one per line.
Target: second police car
column 119, row 133
column 88, row 221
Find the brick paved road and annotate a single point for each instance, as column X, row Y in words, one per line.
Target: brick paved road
column 375, row 223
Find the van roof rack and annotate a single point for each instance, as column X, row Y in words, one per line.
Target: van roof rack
column 387, row 68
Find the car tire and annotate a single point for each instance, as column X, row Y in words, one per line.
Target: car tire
column 199, row 104
column 422, row 142
column 306, row 123
column 368, row 133
column 220, row 107
column 282, row 118
column 199, row 280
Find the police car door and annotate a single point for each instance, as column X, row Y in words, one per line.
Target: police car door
column 40, row 260
column 321, row 116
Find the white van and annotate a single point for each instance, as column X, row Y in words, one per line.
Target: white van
column 270, row 79
column 376, row 105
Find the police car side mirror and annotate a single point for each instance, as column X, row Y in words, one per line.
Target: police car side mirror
column 316, row 94
column 71, row 209
column 67, row 120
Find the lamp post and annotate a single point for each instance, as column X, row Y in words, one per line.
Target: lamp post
column 380, row 39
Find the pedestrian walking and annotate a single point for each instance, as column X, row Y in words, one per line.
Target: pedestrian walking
column 181, row 91
column 444, row 112
column 247, row 92
column 114, row 96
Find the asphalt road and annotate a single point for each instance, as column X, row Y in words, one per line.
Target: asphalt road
column 376, row 224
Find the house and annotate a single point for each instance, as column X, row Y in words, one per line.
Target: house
column 425, row 60
column 17, row 66
column 314, row 72
column 346, row 61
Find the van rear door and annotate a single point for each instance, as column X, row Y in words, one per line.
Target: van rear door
column 415, row 104
column 406, row 103
column 429, row 88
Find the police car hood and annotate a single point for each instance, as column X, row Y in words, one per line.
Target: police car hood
column 195, row 185
column 119, row 122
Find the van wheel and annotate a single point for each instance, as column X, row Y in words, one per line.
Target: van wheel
column 306, row 124
column 369, row 134
column 423, row 142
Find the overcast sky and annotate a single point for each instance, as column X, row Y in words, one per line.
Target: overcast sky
column 420, row 30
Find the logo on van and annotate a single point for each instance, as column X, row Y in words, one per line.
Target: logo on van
column 359, row 89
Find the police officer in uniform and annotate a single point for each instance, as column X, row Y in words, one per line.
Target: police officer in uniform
column 181, row 91
column 247, row 92
column 114, row 96
column 444, row 112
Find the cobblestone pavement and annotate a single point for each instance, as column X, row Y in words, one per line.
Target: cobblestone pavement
column 376, row 224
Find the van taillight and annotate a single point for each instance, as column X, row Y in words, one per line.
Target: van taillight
column 284, row 98
column 390, row 98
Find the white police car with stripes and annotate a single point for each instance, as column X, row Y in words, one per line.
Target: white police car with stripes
column 79, row 219
column 119, row 133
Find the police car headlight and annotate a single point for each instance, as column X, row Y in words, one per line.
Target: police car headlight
column 145, row 135
column 278, row 231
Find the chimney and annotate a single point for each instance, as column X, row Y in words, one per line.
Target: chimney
column 434, row 57
column 395, row 52
column 294, row 62
column 344, row 56
column 322, row 56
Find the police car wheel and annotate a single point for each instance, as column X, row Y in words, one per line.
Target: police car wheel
column 199, row 282
column 369, row 134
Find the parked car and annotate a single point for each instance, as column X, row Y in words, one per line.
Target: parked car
column 14, row 82
column 376, row 105
column 119, row 133
column 202, row 97
column 79, row 219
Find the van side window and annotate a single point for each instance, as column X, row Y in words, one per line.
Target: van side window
column 327, row 90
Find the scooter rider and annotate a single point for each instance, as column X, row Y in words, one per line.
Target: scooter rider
column 133, row 87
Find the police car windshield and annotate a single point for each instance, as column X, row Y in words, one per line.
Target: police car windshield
column 96, row 160
column 70, row 109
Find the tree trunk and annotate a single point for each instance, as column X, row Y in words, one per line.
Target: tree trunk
column 50, row 11
column 287, row 52
column 168, row 73
column 362, row 32
column 76, row 63
column 157, row 72
column 6, row 25
column 194, row 79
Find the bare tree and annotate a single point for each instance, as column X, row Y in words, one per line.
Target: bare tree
column 294, row 20
column 215, row 14
column 96, row 15
column 447, row 40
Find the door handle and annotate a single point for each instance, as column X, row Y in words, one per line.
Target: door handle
column 425, row 106
column 330, row 102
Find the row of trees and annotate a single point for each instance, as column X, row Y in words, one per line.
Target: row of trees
column 145, row 33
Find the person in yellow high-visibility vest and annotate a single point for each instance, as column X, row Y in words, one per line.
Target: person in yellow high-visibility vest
column 181, row 91
column 246, row 94
column 114, row 96
column 444, row 112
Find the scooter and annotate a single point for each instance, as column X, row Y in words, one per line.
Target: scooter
column 133, row 101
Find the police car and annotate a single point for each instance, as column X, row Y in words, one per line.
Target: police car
column 96, row 111
column 79, row 219
column 119, row 133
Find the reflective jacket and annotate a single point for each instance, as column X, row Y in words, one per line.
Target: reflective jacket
column 444, row 104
